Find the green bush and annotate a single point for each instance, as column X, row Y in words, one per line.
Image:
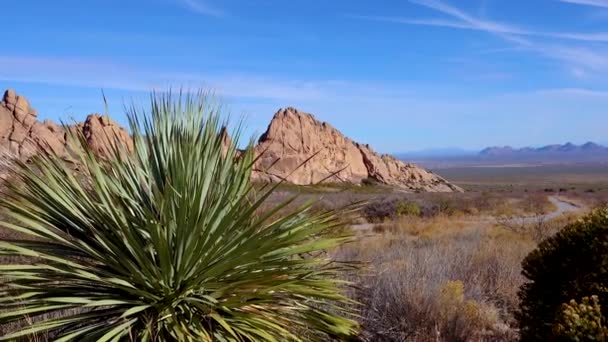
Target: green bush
column 570, row 265
column 166, row 243
column 582, row 322
column 407, row 208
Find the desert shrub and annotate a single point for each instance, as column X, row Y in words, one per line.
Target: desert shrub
column 446, row 206
column 570, row 265
column 440, row 205
column 380, row 210
column 407, row 208
column 581, row 322
column 459, row 316
column 165, row 243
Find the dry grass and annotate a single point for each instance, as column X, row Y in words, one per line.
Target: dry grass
column 439, row 279
column 448, row 275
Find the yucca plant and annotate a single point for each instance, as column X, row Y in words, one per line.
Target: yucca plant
column 166, row 243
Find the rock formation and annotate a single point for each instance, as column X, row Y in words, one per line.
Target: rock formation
column 301, row 150
column 103, row 134
column 294, row 137
column 22, row 135
column 296, row 148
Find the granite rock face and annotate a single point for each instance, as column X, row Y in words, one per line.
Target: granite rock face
column 307, row 152
column 22, row 135
column 301, row 150
column 104, row 135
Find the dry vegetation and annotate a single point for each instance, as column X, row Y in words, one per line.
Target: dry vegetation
column 440, row 279
column 451, row 270
column 448, row 270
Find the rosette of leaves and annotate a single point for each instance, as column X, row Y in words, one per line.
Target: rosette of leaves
column 166, row 242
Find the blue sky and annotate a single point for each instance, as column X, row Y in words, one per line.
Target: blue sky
column 400, row 75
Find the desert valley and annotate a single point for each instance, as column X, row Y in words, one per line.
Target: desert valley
column 304, row 171
column 439, row 252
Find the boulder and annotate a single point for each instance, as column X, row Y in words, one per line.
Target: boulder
column 103, row 135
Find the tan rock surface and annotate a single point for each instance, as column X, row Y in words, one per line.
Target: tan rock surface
column 22, row 135
column 103, row 134
column 302, row 150
column 292, row 138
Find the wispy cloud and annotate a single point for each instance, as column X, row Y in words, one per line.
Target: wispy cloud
column 580, row 92
column 91, row 73
column 595, row 3
column 581, row 60
column 496, row 28
column 424, row 22
column 578, row 58
column 505, row 31
column 79, row 72
column 202, row 7
column 469, row 22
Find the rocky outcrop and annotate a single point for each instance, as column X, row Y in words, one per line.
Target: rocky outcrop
column 299, row 149
column 22, row 135
column 104, row 135
column 389, row 170
column 296, row 148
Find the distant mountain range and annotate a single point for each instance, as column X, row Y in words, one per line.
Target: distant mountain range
column 556, row 149
column 437, row 152
column 568, row 153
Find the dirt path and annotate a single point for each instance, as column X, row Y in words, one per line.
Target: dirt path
column 563, row 206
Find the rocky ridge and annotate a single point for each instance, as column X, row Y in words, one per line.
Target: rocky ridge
column 22, row 135
column 299, row 149
column 296, row 148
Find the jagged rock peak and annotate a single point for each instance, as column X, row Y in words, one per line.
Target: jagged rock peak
column 22, row 135
column 103, row 134
column 300, row 149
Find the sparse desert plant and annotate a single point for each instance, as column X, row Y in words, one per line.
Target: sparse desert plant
column 407, row 208
column 459, row 316
column 581, row 322
column 165, row 243
column 570, row 265
column 380, row 210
